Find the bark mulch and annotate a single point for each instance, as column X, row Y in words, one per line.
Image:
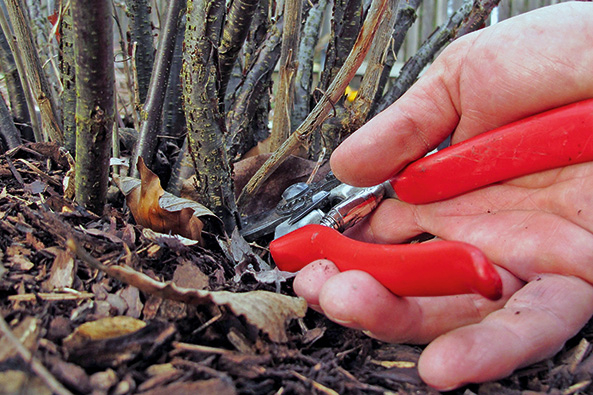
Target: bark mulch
column 45, row 293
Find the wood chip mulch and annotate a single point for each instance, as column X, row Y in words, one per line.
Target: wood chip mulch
column 45, row 294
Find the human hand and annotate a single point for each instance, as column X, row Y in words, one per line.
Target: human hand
column 537, row 229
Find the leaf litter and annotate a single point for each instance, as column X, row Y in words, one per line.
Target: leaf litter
column 186, row 318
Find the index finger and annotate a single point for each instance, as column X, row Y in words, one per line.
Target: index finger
column 519, row 67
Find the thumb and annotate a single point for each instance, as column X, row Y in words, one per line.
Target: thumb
column 414, row 125
column 508, row 71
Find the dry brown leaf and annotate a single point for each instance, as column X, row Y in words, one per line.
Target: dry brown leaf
column 267, row 311
column 154, row 208
column 62, row 270
column 103, row 328
column 294, row 169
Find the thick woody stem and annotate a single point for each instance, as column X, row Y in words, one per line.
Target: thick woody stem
column 288, row 64
column 34, row 70
column 205, row 124
column 150, row 115
column 325, row 104
column 234, row 33
column 95, row 104
column 306, row 54
column 375, row 65
column 141, row 31
column 468, row 17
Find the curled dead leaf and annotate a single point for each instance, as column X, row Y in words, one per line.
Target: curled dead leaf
column 154, row 208
column 265, row 310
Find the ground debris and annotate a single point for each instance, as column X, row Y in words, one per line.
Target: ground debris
column 46, row 294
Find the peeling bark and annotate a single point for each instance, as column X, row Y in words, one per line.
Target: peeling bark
column 346, row 22
column 405, row 18
column 93, row 39
column 260, row 25
column 369, row 85
column 259, row 31
column 205, row 123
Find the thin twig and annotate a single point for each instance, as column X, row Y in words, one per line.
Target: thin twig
column 36, row 367
column 465, row 19
column 288, row 63
column 406, row 16
column 325, row 104
column 318, row 164
column 375, row 65
column 126, row 59
column 476, row 19
column 55, row 296
column 15, row 172
column 135, row 88
column 305, row 58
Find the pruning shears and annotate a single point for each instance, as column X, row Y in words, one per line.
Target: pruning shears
column 309, row 219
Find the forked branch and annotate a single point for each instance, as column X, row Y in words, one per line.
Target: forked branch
column 325, row 104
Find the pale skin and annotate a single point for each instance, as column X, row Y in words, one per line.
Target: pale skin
column 538, row 229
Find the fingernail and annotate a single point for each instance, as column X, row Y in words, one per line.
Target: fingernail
column 315, row 307
column 348, row 323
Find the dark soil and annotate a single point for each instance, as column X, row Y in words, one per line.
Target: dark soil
column 45, row 294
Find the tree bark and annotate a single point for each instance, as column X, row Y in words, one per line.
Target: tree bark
column 153, row 106
column 306, row 56
column 173, row 117
column 405, row 18
column 288, row 64
column 16, row 94
column 21, row 24
column 141, row 34
column 9, row 133
column 369, row 85
column 251, row 93
column 346, row 24
column 93, row 46
column 68, row 76
column 469, row 16
column 350, row 117
column 325, row 104
column 22, row 74
column 235, row 31
column 205, row 123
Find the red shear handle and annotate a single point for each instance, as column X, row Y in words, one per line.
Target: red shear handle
column 552, row 139
column 429, row 269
